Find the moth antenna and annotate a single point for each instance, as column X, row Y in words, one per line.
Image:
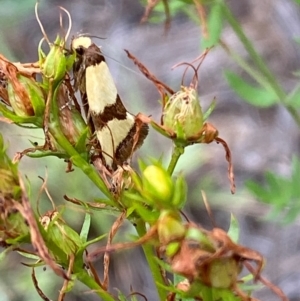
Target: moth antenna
column 40, row 23
column 70, row 22
column 96, row 37
column 122, row 65
column 208, row 209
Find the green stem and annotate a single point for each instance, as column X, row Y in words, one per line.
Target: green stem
column 83, row 277
column 177, row 152
column 153, row 265
column 260, row 79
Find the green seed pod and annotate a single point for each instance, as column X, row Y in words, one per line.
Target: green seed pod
column 60, row 235
column 157, row 185
column 56, row 64
column 13, row 228
column 25, row 96
column 9, row 183
column 221, row 272
column 182, row 113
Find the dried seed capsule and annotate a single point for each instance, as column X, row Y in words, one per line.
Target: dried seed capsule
column 71, row 122
column 25, row 96
column 182, row 113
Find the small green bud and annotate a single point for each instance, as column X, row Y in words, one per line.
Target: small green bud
column 157, row 184
column 172, row 249
column 182, row 113
column 170, row 227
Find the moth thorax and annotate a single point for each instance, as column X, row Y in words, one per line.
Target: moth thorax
column 81, row 42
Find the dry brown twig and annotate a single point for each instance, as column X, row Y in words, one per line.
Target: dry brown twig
column 115, row 227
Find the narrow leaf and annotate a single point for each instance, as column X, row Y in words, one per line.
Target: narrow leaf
column 234, row 229
column 254, row 95
column 215, row 21
column 85, row 228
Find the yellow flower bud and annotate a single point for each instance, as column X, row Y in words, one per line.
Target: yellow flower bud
column 157, row 184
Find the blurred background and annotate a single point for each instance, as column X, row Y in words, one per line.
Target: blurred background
column 261, row 139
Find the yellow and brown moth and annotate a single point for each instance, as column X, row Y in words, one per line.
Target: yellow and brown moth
column 117, row 130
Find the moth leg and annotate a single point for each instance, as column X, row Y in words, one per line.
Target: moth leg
column 103, row 171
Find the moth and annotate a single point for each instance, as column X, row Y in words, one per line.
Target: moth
column 118, row 131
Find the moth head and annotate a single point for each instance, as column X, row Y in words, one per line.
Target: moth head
column 80, row 44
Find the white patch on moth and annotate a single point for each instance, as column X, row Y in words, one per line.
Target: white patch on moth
column 85, row 42
column 100, row 87
column 113, row 134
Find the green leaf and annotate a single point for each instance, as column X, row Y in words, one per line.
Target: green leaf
column 29, row 256
column 6, row 251
column 253, row 95
column 294, row 100
column 281, row 193
column 209, row 110
column 18, row 119
column 90, row 242
column 215, row 22
column 85, row 227
column 81, row 143
column 234, row 229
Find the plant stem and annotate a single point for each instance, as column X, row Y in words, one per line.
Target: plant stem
column 83, row 277
column 177, row 152
column 153, row 265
